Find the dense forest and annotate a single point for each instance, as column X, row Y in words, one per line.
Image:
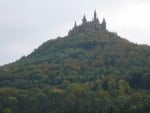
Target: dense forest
column 95, row 72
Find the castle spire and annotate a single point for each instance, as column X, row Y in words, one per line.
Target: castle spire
column 104, row 24
column 104, row 21
column 84, row 19
column 75, row 24
column 95, row 15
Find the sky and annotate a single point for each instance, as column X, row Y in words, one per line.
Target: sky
column 26, row 24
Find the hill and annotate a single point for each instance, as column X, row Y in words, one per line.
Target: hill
column 85, row 72
column 85, row 55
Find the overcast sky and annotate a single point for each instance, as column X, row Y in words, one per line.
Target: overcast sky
column 26, row 24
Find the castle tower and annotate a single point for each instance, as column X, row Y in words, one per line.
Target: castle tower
column 104, row 24
column 84, row 20
column 95, row 17
column 75, row 24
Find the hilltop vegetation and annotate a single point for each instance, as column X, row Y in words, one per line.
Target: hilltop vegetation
column 95, row 72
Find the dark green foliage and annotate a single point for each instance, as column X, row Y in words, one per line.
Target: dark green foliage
column 95, row 72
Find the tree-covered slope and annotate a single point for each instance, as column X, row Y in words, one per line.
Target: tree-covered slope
column 95, row 72
column 85, row 55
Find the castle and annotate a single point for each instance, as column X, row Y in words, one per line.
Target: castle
column 88, row 26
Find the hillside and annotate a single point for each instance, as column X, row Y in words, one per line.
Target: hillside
column 89, row 72
column 86, row 55
column 97, row 64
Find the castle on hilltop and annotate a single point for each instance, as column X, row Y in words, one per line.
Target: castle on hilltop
column 88, row 26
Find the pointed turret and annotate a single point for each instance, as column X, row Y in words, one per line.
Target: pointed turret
column 75, row 24
column 84, row 19
column 95, row 17
column 104, row 24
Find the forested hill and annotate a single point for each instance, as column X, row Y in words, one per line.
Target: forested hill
column 94, row 72
column 86, row 55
